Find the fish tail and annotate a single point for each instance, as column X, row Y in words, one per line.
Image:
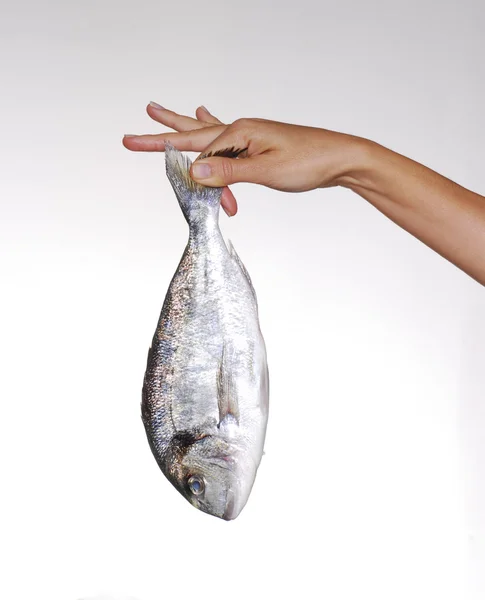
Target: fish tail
column 196, row 201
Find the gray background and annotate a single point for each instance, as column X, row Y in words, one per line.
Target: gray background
column 372, row 482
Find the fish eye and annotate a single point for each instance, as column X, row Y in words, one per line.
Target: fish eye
column 196, row 485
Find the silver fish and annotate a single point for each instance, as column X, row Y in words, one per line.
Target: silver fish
column 206, row 388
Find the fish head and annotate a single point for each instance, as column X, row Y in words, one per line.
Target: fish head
column 213, row 474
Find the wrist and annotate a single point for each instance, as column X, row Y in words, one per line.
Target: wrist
column 358, row 161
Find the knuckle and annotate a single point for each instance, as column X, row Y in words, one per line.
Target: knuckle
column 226, row 170
column 243, row 123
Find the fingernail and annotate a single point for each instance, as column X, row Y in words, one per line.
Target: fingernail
column 155, row 105
column 130, row 135
column 225, row 210
column 201, row 170
column 204, row 108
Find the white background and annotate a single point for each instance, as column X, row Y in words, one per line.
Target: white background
column 372, row 482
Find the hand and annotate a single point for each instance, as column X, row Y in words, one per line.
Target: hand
column 442, row 214
column 285, row 157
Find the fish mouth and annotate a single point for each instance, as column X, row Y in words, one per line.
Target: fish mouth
column 230, row 512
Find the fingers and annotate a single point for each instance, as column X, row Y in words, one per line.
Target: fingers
column 181, row 122
column 190, row 135
column 190, row 141
column 228, row 202
column 220, row 172
column 172, row 119
column 204, row 115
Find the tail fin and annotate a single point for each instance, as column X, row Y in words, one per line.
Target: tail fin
column 195, row 200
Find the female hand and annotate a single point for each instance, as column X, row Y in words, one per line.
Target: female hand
column 285, row 157
column 444, row 215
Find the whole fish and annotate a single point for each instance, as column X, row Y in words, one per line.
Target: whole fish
column 206, row 387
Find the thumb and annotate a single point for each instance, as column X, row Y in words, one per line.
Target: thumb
column 222, row 171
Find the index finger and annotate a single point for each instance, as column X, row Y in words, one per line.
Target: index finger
column 195, row 140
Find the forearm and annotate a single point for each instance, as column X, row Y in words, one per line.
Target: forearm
column 445, row 216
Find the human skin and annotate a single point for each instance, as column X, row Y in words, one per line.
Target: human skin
column 445, row 216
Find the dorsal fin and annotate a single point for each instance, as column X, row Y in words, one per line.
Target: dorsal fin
column 235, row 256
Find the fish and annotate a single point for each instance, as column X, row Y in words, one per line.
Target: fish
column 205, row 397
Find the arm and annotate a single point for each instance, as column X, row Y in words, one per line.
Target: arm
column 445, row 216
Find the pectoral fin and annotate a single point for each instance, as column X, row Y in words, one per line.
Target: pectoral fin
column 226, row 392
